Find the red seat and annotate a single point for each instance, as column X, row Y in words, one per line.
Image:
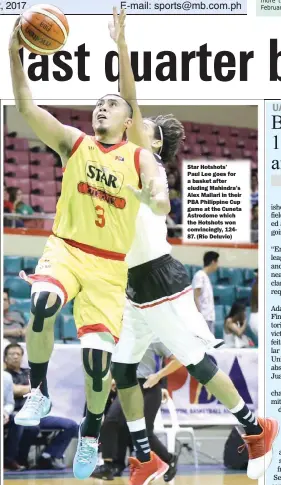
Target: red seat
column 42, row 173
column 9, row 168
column 247, row 154
column 187, row 126
column 58, row 172
column 48, row 224
column 223, row 131
column 20, row 144
column 207, row 138
column 236, row 153
column 217, row 152
column 21, row 183
column 44, row 158
column 62, row 114
column 18, row 157
column 197, row 151
column 48, row 204
column 214, row 130
column 21, row 171
column 225, row 152
column 191, row 139
column 84, row 126
column 58, row 187
column 26, row 198
column 250, row 144
column 36, row 200
column 82, row 114
column 253, row 134
column 48, row 187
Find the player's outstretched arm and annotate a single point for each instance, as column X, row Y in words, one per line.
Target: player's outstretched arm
column 171, row 367
column 154, row 191
column 136, row 133
column 57, row 136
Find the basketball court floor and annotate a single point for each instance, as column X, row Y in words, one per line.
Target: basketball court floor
column 205, row 475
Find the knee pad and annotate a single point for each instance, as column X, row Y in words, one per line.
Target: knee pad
column 204, row 371
column 43, row 305
column 125, row 375
column 96, row 372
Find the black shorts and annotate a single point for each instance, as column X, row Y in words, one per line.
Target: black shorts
column 164, row 276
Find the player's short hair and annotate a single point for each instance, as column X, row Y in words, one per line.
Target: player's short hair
column 210, row 257
column 131, row 111
column 6, row 290
column 171, row 132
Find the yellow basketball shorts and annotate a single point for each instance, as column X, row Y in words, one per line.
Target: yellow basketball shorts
column 96, row 283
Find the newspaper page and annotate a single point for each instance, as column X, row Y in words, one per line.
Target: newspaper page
column 140, row 150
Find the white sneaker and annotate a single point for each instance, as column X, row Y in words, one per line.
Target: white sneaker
column 86, row 457
column 35, row 407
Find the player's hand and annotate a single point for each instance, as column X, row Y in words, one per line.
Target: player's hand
column 165, row 396
column 151, row 381
column 14, row 43
column 117, row 26
column 148, row 193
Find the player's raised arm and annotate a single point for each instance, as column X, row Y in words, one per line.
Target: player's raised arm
column 136, row 134
column 57, row 136
column 154, row 191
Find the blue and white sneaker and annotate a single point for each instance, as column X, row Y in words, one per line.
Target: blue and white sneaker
column 35, row 407
column 86, row 457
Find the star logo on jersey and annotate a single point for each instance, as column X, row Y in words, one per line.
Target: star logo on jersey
column 120, row 159
column 104, row 178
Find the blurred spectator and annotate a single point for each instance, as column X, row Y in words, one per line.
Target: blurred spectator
column 14, row 323
column 16, row 198
column 8, row 205
column 21, row 438
column 173, row 182
column 175, row 216
column 235, row 326
column 175, row 213
column 254, row 188
column 255, row 224
column 254, row 317
column 115, row 436
column 8, row 401
column 203, row 290
column 8, row 208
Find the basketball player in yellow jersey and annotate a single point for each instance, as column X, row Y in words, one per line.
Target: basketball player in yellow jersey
column 85, row 257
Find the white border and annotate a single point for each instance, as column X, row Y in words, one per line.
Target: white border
column 261, row 175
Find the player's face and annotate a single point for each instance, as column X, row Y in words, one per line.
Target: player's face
column 150, row 128
column 111, row 116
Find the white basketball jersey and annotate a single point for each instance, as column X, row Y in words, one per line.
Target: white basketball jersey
column 151, row 234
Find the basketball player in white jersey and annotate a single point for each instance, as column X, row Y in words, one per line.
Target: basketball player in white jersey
column 160, row 302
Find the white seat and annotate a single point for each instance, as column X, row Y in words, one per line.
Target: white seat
column 174, row 431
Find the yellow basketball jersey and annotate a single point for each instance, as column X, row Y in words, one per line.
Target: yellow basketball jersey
column 96, row 208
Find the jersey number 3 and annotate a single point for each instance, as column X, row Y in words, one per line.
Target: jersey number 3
column 100, row 221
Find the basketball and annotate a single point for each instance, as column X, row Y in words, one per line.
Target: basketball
column 43, row 29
